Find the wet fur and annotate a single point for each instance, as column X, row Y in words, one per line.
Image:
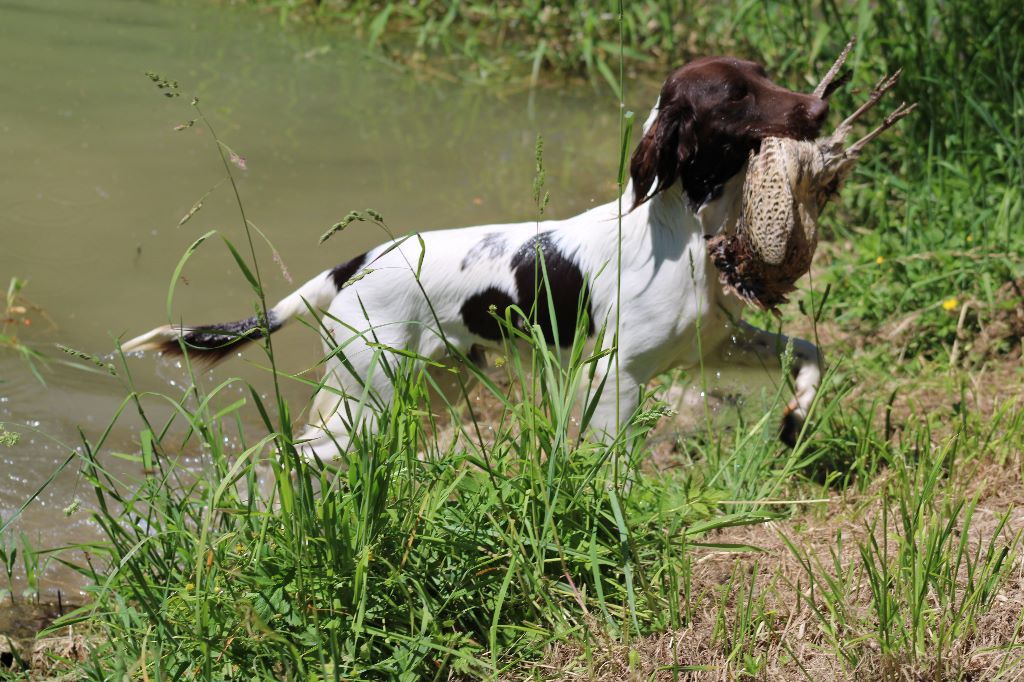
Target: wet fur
column 686, row 180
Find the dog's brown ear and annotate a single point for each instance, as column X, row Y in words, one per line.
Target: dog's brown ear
column 643, row 165
column 665, row 148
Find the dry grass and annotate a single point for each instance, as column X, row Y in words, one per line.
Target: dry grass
column 792, row 644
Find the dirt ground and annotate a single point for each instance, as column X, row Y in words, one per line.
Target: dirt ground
column 20, row 648
column 798, row 646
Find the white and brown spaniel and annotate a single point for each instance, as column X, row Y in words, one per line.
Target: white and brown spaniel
column 438, row 294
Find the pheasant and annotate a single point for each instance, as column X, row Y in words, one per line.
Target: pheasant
column 788, row 183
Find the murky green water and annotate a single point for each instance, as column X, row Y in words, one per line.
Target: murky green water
column 93, row 182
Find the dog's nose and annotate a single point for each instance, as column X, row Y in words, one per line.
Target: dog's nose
column 817, row 109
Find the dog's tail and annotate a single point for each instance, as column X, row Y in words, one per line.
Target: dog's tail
column 213, row 342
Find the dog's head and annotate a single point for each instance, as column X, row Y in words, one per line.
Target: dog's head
column 712, row 113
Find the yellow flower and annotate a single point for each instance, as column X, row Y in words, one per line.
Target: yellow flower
column 970, row 238
column 880, row 260
column 950, row 304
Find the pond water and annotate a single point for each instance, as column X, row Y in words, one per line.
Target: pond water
column 95, row 180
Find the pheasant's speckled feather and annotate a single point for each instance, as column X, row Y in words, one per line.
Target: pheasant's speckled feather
column 768, row 200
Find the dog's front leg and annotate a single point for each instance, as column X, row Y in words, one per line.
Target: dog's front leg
column 749, row 346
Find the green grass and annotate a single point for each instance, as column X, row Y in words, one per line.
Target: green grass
column 417, row 559
column 493, row 42
column 429, row 556
column 930, row 576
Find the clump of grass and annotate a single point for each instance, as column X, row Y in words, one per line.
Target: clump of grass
column 19, row 552
column 908, row 572
column 16, row 315
column 418, row 558
column 498, row 41
column 9, row 559
column 927, row 575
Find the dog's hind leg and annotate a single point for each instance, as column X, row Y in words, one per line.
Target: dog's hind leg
column 355, row 390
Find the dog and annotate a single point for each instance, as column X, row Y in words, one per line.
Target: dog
column 645, row 274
